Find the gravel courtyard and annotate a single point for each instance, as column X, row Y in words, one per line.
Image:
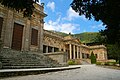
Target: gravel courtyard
column 86, row 72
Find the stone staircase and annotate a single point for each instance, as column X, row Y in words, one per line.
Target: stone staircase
column 11, row 59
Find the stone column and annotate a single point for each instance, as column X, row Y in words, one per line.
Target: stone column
column 52, row 49
column 80, row 53
column 41, row 35
column 70, row 51
column 74, row 51
column 8, row 29
column 64, row 49
column 77, row 53
column 46, row 49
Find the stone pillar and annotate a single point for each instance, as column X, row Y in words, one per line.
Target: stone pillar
column 8, row 29
column 46, row 49
column 80, row 53
column 70, row 51
column 41, row 37
column 52, row 49
column 64, row 49
column 27, row 36
column 77, row 52
column 74, row 51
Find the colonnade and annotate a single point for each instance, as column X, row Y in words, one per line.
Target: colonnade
column 47, row 49
column 74, row 52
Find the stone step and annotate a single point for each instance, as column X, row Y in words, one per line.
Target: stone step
column 22, row 67
column 10, row 57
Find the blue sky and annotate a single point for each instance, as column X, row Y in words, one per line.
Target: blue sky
column 62, row 18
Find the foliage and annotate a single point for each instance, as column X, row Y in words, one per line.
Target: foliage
column 20, row 5
column 105, row 10
column 108, row 12
column 71, row 62
column 114, row 52
column 87, row 37
column 93, row 58
column 99, row 63
column 110, row 63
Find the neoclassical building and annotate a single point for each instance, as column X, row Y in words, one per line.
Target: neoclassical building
column 53, row 42
column 27, row 34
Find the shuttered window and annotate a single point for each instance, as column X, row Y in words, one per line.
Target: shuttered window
column 34, row 37
column 1, row 23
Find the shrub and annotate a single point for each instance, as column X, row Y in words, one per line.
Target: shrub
column 110, row 63
column 98, row 63
column 93, row 58
column 71, row 62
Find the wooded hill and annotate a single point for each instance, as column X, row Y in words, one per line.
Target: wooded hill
column 86, row 37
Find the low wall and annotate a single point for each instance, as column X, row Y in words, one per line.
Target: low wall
column 60, row 57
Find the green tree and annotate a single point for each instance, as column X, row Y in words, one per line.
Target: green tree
column 93, row 58
column 114, row 52
column 20, row 5
column 105, row 10
column 108, row 12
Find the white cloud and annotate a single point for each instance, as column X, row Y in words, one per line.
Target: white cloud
column 39, row 1
column 71, row 15
column 97, row 26
column 51, row 5
column 63, row 27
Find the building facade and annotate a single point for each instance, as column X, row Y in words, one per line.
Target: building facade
column 53, row 42
column 21, row 33
column 27, row 34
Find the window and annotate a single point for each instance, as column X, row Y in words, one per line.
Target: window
column 44, row 48
column 34, row 37
column 88, row 56
column 49, row 49
column 56, row 49
column 96, row 56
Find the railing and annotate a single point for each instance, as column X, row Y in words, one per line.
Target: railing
column 53, row 34
column 97, row 46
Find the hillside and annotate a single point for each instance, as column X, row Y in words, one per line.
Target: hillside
column 86, row 37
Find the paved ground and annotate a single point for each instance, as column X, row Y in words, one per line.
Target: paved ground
column 86, row 72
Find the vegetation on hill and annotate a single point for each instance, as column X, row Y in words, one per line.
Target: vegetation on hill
column 87, row 37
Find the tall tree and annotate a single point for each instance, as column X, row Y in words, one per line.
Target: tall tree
column 105, row 10
column 20, row 5
column 108, row 12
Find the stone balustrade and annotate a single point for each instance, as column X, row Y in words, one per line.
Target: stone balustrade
column 53, row 34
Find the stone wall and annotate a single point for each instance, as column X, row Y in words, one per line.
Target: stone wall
column 60, row 57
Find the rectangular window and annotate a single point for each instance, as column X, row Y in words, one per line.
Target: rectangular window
column 56, row 49
column 96, row 56
column 44, row 48
column 88, row 56
column 1, row 23
column 34, row 37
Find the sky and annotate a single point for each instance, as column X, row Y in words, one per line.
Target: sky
column 61, row 17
